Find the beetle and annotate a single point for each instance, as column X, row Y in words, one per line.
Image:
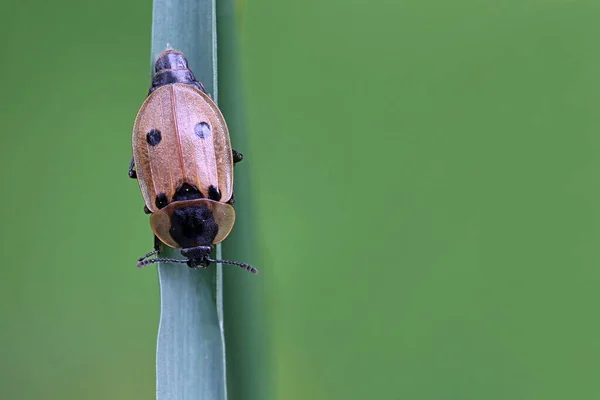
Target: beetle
column 183, row 162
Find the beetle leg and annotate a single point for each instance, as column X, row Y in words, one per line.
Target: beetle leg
column 232, row 199
column 237, row 156
column 132, row 172
column 157, row 250
column 157, row 245
column 146, row 210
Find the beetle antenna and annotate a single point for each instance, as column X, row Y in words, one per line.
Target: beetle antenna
column 143, row 263
column 245, row 266
column 148, row 255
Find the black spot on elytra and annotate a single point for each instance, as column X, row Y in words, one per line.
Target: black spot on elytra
column 202, row 130
column 193, row 226
column 187, row 192
column 153, row 137
column 214, row 193
column 161, row 201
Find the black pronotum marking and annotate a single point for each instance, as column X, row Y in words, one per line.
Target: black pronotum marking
column 214, row 193
column 202, row 130
column 193, row 226
column 153, row 137
column 187, row 192
column 161, row 201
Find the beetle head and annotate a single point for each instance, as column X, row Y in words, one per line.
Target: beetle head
column 197, row 256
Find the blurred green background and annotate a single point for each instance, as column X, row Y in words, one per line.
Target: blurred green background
column 422, row 177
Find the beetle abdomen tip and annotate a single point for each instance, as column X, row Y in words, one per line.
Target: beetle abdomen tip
column 170, row 59
column 172, row 67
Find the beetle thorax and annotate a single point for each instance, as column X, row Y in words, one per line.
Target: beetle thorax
column 193, row 226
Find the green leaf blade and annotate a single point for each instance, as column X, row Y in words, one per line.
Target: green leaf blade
column 190, row 354
column 190, row 348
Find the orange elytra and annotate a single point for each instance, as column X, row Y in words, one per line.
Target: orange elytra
column 183, row 161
